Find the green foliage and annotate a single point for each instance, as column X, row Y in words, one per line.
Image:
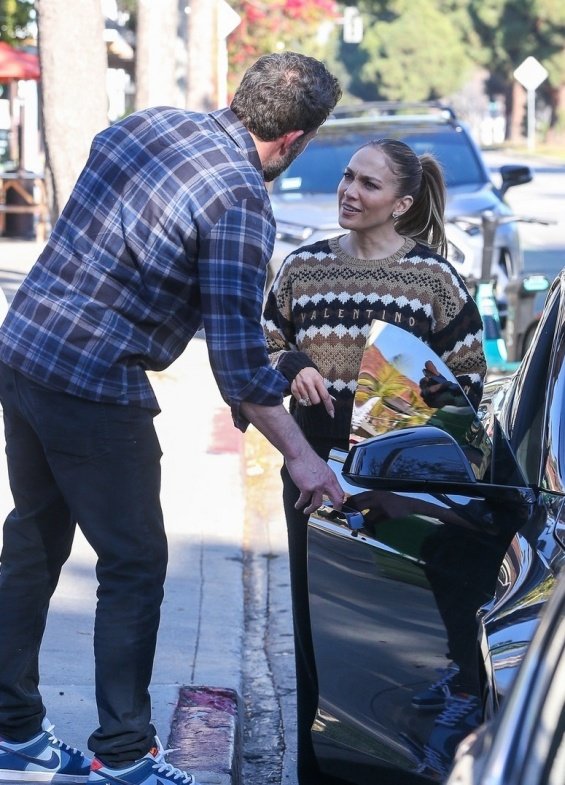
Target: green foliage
column 411, row 51
column 515, row 29
column 403, row 65
column 15, row 19
column 429, row 48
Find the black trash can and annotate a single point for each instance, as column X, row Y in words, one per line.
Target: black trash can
column 20, row 224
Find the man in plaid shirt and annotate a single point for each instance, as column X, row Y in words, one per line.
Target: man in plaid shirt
column 168, row 229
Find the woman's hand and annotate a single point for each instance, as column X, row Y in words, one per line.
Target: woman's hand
column 309, row 390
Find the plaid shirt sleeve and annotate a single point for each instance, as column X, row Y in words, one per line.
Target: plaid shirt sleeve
column 232, row 271
column 168, row 227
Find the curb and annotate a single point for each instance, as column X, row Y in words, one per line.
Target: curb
column 206, row 735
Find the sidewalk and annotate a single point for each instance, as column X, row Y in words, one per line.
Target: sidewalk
column 200, row 639
column 197, row 679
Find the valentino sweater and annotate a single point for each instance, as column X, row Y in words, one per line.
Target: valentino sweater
column 321, row 306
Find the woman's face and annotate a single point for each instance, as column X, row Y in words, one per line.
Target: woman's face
column 367, row 191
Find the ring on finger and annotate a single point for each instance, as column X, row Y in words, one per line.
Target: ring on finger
column 304, row 401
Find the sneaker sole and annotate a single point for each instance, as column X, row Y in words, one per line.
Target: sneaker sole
column 428, row 706
column 41, row 777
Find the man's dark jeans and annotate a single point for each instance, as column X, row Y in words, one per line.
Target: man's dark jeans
column 73, row 461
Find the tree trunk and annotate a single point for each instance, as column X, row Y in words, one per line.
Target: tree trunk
column 73, row 61
column 155, row 74
column 201, row 93
column 518, row 113
column 556, row 130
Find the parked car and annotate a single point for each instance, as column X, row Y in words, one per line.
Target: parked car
column 525, row 744
column 427, row 588
column 304, row 196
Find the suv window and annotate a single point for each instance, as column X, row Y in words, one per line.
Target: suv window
column 318, row 169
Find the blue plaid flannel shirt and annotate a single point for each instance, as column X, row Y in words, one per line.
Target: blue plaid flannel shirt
column 168, row 229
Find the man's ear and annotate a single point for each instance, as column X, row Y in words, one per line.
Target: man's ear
column 287, row 140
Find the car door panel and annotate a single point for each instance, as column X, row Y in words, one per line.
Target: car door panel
column 415, row 572
column 397, row 577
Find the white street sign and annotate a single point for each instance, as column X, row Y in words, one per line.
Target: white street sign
column 228, row 19
column 531, row 73
column 352, row 25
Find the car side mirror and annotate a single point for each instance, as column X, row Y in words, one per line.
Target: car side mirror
column 514, row 174
column 425, row 454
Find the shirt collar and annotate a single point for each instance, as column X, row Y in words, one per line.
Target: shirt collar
column 232, row 125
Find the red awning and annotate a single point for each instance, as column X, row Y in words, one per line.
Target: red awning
column 17, row 64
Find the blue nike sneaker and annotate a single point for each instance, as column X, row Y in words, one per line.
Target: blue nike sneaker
column 435, row 696
column 42, row 759
column 152, row 769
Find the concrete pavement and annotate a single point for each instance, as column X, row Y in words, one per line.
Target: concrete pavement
column 198, row 676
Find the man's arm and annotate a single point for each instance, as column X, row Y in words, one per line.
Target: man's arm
column 309, row 472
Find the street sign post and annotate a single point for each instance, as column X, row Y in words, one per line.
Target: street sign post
column 531, row 73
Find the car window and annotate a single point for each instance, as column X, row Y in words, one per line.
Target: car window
column 454, row 152
column 319, row 168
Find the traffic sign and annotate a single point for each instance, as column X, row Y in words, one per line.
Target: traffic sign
column 352, row 25
column 531, row 73
column 228, row 19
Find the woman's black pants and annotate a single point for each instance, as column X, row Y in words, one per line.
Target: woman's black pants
column 306, row 680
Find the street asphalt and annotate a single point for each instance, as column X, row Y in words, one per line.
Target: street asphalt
column 197, row 684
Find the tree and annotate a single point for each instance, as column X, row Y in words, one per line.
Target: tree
column 15, row 19
column 410, row 51
column 73, row 61
column 274, row 25
column 408, row 69
column 513, row 30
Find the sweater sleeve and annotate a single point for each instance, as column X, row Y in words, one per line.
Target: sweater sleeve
column 459, row 342
column 279, row 328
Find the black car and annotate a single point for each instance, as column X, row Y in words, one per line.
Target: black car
column 426, row 589
column 525, row 744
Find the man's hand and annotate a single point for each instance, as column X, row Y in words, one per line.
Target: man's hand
column 314, row 478
column 311, row 475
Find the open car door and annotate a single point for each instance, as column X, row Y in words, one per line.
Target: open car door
column 397, row 577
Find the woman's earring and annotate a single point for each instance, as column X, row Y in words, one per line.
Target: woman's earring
column 395, row 215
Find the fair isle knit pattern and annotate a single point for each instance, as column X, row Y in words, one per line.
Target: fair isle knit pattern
column 323, row 301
